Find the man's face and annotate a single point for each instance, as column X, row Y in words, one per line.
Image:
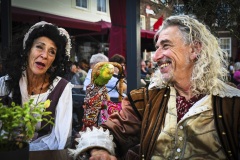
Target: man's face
column 173, row 56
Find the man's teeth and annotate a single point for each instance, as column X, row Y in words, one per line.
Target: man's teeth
column 164, row 65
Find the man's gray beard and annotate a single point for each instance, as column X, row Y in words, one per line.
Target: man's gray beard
column 158, row 81
column 167, row 81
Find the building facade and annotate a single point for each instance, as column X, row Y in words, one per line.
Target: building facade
column 89, row 23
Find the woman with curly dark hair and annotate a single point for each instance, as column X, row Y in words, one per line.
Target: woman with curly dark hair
column 33, row 70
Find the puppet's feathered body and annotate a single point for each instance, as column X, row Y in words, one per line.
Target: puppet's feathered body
column 104, row 74
column 96, row 94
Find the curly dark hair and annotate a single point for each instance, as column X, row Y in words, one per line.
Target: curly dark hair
column 17, row 58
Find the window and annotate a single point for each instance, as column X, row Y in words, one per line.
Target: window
column 82, row 3
column 101, row 5
column 225, row 44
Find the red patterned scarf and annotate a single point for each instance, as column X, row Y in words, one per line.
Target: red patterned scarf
column 184, row 105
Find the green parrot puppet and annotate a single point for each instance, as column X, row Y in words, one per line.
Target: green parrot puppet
column 103, row 75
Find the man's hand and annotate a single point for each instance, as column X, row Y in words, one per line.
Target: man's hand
column 100, row 154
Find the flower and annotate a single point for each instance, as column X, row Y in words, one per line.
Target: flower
column 47, row 103
column 18, row 123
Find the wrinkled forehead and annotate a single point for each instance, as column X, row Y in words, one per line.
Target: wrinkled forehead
column 174, row 31
column 169, row 33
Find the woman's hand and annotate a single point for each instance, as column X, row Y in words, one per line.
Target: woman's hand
column 100, row 154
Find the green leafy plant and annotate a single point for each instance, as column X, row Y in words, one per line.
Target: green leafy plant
column 18, row 123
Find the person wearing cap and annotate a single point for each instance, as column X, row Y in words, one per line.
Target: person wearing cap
column 112, row 83
column 34, row 68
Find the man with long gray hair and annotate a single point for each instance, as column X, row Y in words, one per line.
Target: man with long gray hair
column 189, row 111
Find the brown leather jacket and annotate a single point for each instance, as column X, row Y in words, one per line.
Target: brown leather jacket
column 140, row 121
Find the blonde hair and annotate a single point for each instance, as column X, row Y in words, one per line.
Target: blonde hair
column 211, row 63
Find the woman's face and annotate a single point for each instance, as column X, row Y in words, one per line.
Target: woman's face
column 41, row 56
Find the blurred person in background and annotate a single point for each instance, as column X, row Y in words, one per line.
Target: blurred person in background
column 77, row 78
column 120, row 60
column 236, row 74
column 144, row 69
column 84, row 65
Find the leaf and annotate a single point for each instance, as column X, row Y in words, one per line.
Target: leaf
column 47, row 113
column 52, row 123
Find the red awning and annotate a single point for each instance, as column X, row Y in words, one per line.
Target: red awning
column 105, row 29
column 31, row 16
column 105, row 26
column 144, row 33
column 147, row 34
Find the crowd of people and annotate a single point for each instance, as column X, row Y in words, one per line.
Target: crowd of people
column 81, row 77
column 188, row 110
column 147, row 70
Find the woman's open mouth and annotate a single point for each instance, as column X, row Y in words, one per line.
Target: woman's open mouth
column 40, row 65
